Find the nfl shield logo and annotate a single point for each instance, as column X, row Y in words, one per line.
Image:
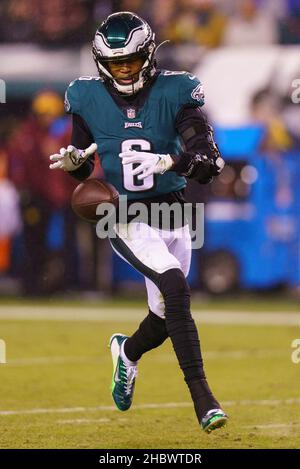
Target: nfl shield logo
column 131, row 113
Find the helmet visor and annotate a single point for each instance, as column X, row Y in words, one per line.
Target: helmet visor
column 119, row 59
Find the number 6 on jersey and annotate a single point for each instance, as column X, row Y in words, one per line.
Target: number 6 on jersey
column 130, row 182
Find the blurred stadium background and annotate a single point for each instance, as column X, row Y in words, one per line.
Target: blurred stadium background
column 247, row 54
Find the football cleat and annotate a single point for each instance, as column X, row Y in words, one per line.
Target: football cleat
column 213, row 419
column 123, row 379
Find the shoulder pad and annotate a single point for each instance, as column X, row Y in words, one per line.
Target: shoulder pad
column 189, row 88
column 76, row 90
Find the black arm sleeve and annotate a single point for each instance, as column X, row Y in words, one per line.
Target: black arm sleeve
column 198, row 160
column 82, row 138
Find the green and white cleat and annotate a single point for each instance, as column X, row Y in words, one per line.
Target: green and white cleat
column 213, row 419
column 124, row 374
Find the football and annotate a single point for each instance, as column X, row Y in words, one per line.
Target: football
column 89, row 194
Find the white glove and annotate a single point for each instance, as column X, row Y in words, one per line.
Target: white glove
column 71, row 158
column 219, row 163
column 150, row 163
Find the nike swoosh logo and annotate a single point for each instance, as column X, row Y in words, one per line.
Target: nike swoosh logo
column 116, row 375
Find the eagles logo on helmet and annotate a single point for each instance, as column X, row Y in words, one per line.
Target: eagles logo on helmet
column 125, row 36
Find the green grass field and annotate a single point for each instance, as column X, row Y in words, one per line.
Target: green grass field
column 55, row 387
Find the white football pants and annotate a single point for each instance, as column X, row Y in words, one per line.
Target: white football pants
column 153, row 251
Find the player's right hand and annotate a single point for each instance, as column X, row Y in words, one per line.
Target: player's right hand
column 71, row 158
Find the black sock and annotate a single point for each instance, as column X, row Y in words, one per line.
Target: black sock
column 151, row 333
column 184, row 336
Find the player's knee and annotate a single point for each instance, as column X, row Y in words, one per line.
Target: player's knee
column 158, row 327
column 173, row 282
column 175, row 290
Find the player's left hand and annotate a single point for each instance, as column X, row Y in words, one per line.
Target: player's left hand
column 150, row 163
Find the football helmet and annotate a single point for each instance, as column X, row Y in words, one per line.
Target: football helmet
column 125, row 36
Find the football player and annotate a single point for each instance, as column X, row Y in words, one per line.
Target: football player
column 152, row 134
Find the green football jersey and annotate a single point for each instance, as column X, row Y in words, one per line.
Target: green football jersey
column 151, row 128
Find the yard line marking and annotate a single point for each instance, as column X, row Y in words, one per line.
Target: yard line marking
column 273, row 425
column 76, row 421
column 67, row 313
column 101, row 420
column 53, row 360
column 209, row 355
column 64, row 410
column 235, row 354
column 166, row 405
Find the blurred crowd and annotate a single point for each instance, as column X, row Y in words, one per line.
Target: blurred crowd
column 209, row 23
column 42, row 243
